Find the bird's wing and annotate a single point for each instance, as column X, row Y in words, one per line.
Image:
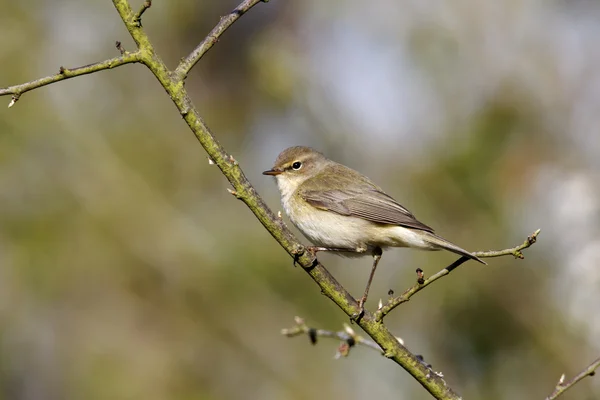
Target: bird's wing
column 362, row 199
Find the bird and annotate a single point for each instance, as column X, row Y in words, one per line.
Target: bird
column 341, row 210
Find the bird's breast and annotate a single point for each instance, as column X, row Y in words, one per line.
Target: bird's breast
column 326, row 228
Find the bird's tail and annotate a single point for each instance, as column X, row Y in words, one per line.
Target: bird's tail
column 441, row 243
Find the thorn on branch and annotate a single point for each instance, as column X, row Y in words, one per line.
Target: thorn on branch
column 13, row 100
column 234, row 193
column 62, row 70
column 210, row 161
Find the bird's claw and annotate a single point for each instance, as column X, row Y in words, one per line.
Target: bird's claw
column 361, row 310
column 297, row 252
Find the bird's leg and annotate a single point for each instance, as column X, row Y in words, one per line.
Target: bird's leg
column 376, row 257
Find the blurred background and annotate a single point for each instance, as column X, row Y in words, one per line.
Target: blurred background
column 127, row 271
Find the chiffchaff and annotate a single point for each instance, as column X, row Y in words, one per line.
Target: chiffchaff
column 339, row 209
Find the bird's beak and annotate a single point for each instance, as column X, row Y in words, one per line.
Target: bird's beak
column 273, row 172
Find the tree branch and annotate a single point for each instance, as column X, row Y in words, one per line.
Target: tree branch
column 67, row 73
column 563, row 386
column 423, row 283
column 209, row 41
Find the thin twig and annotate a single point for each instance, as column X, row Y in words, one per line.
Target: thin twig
column 209, row 41
column 66, row 73
column 348, row 337
column 137, row 18
column 514, row 251
column 422, row 284
column 563, row 386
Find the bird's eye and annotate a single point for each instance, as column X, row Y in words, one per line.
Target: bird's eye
column 297, row 165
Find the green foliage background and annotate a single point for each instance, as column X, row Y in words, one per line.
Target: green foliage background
column 128, row 271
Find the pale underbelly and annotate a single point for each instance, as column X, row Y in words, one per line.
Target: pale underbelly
column 327, row 229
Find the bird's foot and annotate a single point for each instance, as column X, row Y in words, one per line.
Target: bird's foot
column 297, row 252
column 361, row 310
column 300, row 250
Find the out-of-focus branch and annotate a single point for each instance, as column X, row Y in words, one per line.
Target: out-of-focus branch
column 563, row 386
column 209, row 41
column 423, row 283
column 348, row 337
column 67, row 73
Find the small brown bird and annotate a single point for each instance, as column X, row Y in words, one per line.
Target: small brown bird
column 339, row 209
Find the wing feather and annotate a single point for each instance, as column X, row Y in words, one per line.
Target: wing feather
column 372, row 205
column 353, row 194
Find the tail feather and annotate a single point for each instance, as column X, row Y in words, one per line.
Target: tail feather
column 442, row 243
